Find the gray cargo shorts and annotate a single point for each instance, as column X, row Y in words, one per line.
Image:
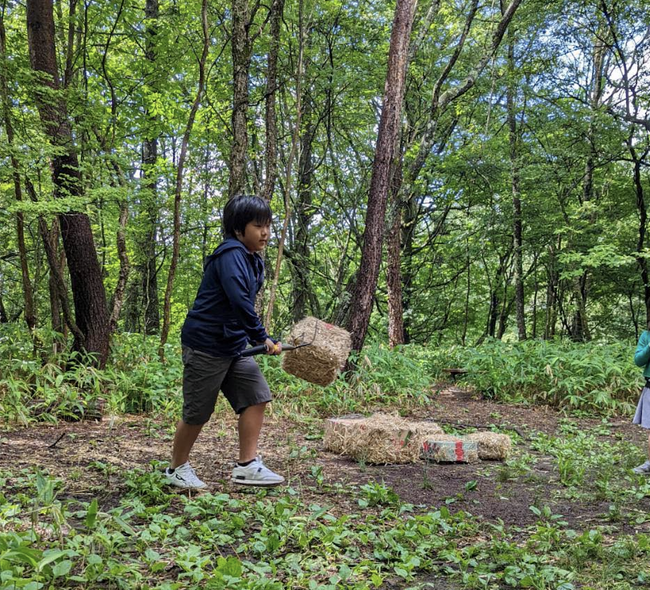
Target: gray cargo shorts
column 204, row 375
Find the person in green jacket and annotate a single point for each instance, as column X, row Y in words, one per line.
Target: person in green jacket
column 642, row 415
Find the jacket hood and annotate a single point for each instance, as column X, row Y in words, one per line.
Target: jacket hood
column 227, row 244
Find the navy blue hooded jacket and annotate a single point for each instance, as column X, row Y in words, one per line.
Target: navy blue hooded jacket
column 222, row 320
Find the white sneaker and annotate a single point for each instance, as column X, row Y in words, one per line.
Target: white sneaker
column 643, row 469
column 185, row 477
column 256, row 474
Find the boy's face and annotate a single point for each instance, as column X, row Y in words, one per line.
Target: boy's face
column 256, row 235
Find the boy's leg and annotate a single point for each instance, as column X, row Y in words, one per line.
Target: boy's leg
column 250, row 426
column 202, row 377
column 251, row 470
column 248, row 393
column 184, row 439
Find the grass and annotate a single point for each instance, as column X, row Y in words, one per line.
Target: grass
column 276, row 540
column 317, row 533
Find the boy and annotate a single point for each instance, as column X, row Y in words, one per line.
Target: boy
column 217, row 329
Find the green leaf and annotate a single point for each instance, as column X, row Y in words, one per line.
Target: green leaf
column 91, row 513
column 62, row 568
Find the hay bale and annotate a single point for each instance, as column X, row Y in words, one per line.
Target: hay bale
column 378, row 439
column 491, row 445
column 320, row 362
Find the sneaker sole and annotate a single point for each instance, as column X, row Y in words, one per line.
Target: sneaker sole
column 180, row 486
column 248, row 482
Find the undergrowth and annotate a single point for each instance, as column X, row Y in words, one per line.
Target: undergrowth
column 595, row 378
column 274, row 540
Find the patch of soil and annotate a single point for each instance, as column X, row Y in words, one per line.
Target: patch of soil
column 94, row 457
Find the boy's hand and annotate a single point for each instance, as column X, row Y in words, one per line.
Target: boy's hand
column 272, row 347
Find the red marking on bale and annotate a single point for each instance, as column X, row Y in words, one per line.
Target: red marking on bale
column 460, row 456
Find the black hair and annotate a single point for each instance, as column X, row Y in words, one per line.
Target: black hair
column 242, row 210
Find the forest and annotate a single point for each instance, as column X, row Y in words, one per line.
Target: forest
column 460, row 184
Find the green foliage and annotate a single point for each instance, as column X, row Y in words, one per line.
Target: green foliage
column 593, row 377
column 49, row 387
column 273, row 541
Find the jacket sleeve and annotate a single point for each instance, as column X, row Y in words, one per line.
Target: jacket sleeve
column 232, row 268
column 642, row 354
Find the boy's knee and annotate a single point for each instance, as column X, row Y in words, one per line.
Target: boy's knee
column 257, row 407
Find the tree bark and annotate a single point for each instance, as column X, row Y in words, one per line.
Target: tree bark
column 241, row 57
column 148, row 269
column 89, row 296
column 389, row 125
column 4, row 319
column 394, row 261
column 517, row 231
column 642, row 261
column 428, row 137
column 277, row 8
column 288, row 171
column 28, row 296
column 303, row 214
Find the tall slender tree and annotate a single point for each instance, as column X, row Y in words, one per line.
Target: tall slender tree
column 28, row 296
column 91, row 313
column 388, row 133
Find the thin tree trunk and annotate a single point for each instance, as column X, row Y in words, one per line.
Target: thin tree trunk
column 300, row 272
column 580, row 323
column 551, row 292
column 85, row 273
column 56, row 265
column 277, row 9
column 643, row 219
column 28, row 297
column 517, row 231
column 118, row 296
column 4, row 319
column 148, row 269
column 288, row 173
column 388, row 133
column 393, row 266
column 535, row 297
column 179, row 180
column 241, row 57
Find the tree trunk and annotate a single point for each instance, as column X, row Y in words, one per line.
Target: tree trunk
column 389, row 125
column 580, row 325
column 303, row 215
column 277, row 9
column 394, row 261
column 551, row 293
column 295, row 136
column 118, row 296
column 428, row 136
column 241, row 58
column 148, row 268
column 3, row 312
column 515, row 164
column 28, row 296
column 642, row 261
column 179, row 181
column 85, row 273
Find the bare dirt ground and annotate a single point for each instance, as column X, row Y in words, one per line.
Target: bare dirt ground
column 92, row 458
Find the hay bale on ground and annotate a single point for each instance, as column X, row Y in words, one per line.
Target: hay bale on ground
column 491, row 445
column 320, row 362
column 378, row 439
